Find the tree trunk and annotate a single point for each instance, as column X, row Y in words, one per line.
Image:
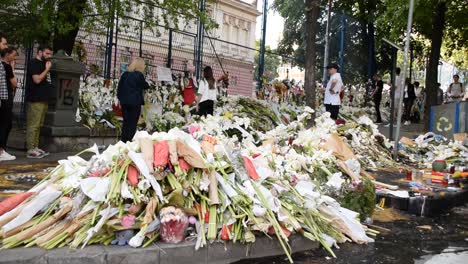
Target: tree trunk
column 71, row 13
column 372, row 61
column 312, row 16
column 362, row 20
column 438, row 23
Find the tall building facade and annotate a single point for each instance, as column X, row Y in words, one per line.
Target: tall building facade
column 227, row 49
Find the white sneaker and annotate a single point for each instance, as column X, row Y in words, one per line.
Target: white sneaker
column 387, row 125
column 34, row 154
column 407, row 123
column 5, row 156
column 44, row 153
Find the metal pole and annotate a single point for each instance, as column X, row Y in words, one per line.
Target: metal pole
column 141, row 39
column 342, row 41
column 392, row 92
column 111, row 42
column 116, row 39
column 169, row 52
column 327, row 37
column 411, row 63
column 200, row 36
column 261, row 62
column 403, row 76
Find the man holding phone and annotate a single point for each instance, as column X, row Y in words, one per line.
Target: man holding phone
column 38, row 95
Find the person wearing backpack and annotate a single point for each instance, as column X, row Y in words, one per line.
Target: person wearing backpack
column 456, row 90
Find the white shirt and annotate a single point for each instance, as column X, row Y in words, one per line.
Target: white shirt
column 456, row 89
column 206, row 92
column 334, row 99
column 418, row 92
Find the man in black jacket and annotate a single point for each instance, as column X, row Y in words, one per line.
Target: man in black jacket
column 377, row 96
column 408, row 100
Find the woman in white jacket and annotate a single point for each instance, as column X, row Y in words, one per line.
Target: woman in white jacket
column 207, row 93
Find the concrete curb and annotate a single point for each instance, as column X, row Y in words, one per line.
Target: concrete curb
column 158, row 253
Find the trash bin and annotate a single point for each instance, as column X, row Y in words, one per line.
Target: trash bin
column 448, row 119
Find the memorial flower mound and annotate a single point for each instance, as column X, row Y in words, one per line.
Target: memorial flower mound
column 225, row 188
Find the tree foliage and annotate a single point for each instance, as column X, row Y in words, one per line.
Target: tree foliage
column 388, row 17
column 356, row 39
column 54, row 21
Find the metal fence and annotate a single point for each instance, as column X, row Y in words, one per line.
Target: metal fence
column 163, row 47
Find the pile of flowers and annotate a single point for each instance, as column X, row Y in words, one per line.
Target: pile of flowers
column 427, row 148
column 288, row 180
column 97, row 99
column 164, row 109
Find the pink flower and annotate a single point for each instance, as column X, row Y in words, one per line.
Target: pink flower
column 128, row 221
column 193, row 129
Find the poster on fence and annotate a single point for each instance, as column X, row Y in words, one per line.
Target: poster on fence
column 164, row 74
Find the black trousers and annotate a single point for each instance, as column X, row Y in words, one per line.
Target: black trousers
column 377, row 109
column 333, row 110
column 206, row 108
column 131, row 114
column 6, row 119
column 408, row 104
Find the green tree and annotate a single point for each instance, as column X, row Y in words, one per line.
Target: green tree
column 58, row 21
column 364, row 53
column 440, row 21
column 272, row 62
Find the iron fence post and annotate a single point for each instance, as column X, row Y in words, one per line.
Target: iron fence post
column 169, row 51
column 261, row 62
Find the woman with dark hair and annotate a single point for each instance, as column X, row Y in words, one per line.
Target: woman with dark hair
column 6, row 105
column 207, row 93
column 408, row 100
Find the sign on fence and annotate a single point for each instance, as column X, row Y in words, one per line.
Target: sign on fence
column 164, row 74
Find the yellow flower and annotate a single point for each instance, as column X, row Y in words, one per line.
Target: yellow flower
column 228, row 115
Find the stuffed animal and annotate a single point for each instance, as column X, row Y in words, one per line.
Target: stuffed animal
column 122, row 237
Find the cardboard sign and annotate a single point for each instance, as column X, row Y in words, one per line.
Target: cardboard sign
column 164, row 74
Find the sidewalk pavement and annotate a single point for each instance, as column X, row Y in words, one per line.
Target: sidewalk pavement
column 53, row 157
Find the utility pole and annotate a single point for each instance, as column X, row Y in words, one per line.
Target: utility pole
column 403, row 76
column 261, row 62
column 200, row 37
column 327, row 48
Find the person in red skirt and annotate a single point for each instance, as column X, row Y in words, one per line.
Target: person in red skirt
column 188, row 89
